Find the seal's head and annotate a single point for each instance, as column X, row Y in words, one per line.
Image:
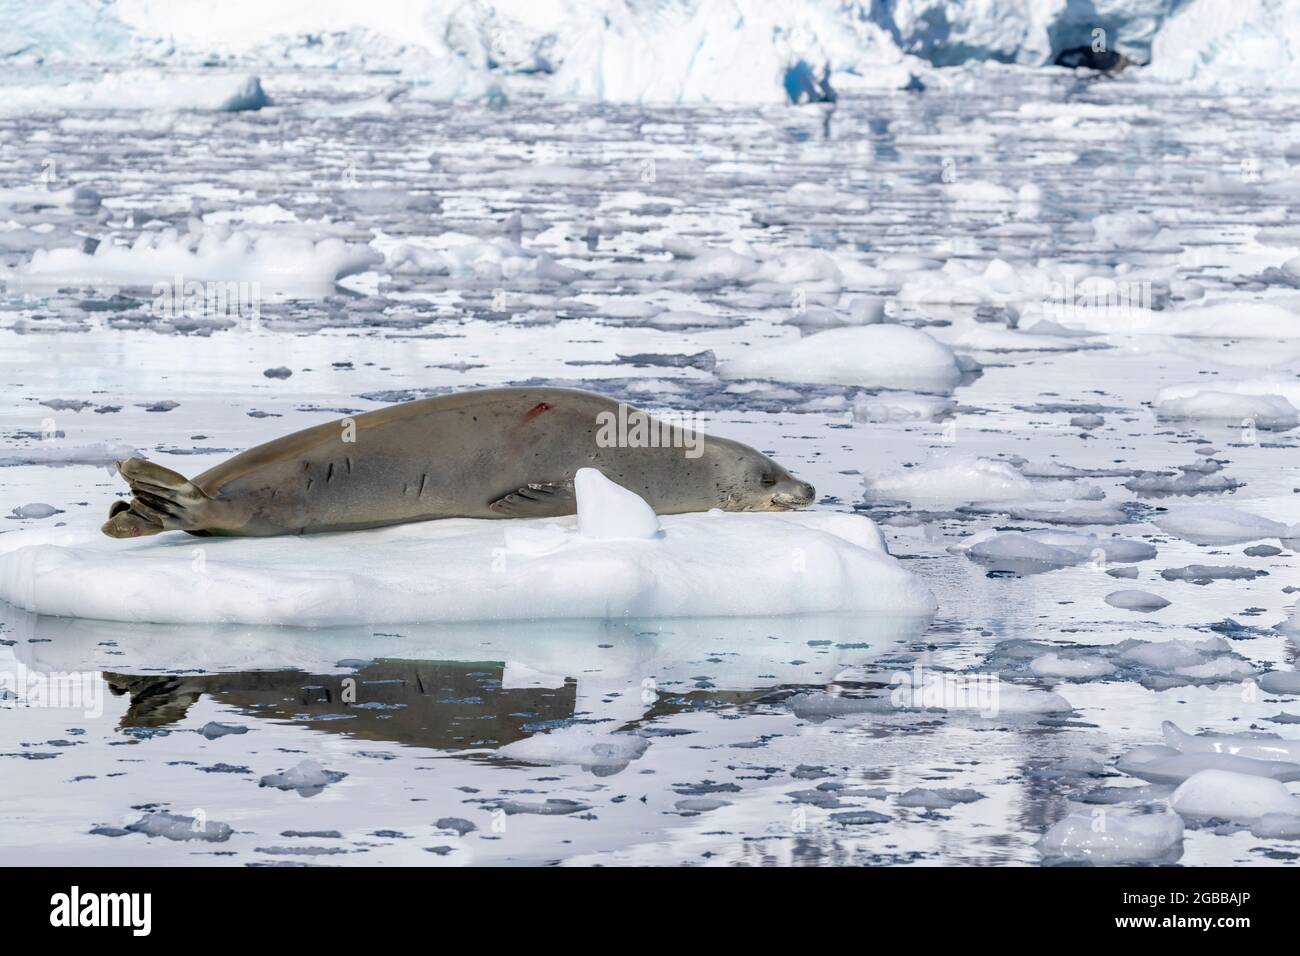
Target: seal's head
column 755, row 482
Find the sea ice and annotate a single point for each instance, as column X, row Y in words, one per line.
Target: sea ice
column 468, row 570
column 1135, row 600
column 1221, row 524
column 1108, row 838
column 879, row 356
column 1223, row 794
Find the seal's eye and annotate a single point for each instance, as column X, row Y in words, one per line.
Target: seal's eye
column 768, row 481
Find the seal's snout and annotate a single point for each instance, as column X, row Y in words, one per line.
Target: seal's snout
column 794, row 494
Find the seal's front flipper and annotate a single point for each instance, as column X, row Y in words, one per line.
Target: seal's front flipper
column 540, row 499
column 164, row 501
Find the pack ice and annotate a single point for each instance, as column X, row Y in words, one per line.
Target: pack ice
column 613, row 560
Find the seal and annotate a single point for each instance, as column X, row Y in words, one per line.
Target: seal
column 490, row 453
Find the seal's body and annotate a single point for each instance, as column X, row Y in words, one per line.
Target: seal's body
column 495, row 453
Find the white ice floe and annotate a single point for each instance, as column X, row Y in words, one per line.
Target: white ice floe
column 1223, row 794
column 603, row 752
column 205, row 254
column 1268, row 402
column 1258, row 746
column 1135, row 600
column 1221, row 524
column 59, row 453
column 1054, row 665
column 900, row 407
column 78, row 198
column 1268, row 412
column 1045, row 549
column 1109, row 837
column 1167, row 765
column 949, row 480
column 141, row 90
column 1237, row 319
column 1276, row 826
column 885, row 356
column 470, row 570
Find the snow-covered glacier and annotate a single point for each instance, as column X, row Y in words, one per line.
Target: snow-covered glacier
column 666, row 51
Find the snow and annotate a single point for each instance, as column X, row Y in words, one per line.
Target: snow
column 880, row 356
column 467, row 570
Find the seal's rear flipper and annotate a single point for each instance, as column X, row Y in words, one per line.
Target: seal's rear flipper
column 542, row 499
column 164, row 501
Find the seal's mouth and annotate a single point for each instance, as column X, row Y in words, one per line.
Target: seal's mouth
column 800, row 496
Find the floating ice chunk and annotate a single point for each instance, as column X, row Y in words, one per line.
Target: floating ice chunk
column 1236, row 319
column 1204, row 573
column 1258, row 746
column 1276, row 826
column 550, row 807
column 1108, row 838
column 1167, row 655
column 900, row 407
column 452, row 570
column 211, row 254
column 1041, row 550
column 1269, row 412
column 604, row 754
column 141, row 90
column 1054, row 665
column 1069, row 512
column 942, row 798
column 1221, row 524
column 1280, row 682
column 1167, row 765
column 37, row 509
column 308, row 778
column 82, row 199
column 1286, row 389
column 609, row 511
column 1124, row 229
column 1135, row 600
column 949, row 481
column 888, row 356
column 1225, row 795
column 955, row 693
column 59, row 453
column 173, row 826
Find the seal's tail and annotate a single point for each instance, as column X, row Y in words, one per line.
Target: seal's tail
column 163, row 501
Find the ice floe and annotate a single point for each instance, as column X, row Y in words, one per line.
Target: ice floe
column 204, row 254
column 1221, row 524
column 1043, row 550
column 1109, row 838
column 1232, row 796
column 465, row 570
column 888, row 356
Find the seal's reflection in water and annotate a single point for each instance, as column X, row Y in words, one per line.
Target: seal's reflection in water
column 440, row 705
column 455, row 687
column 444, row 705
